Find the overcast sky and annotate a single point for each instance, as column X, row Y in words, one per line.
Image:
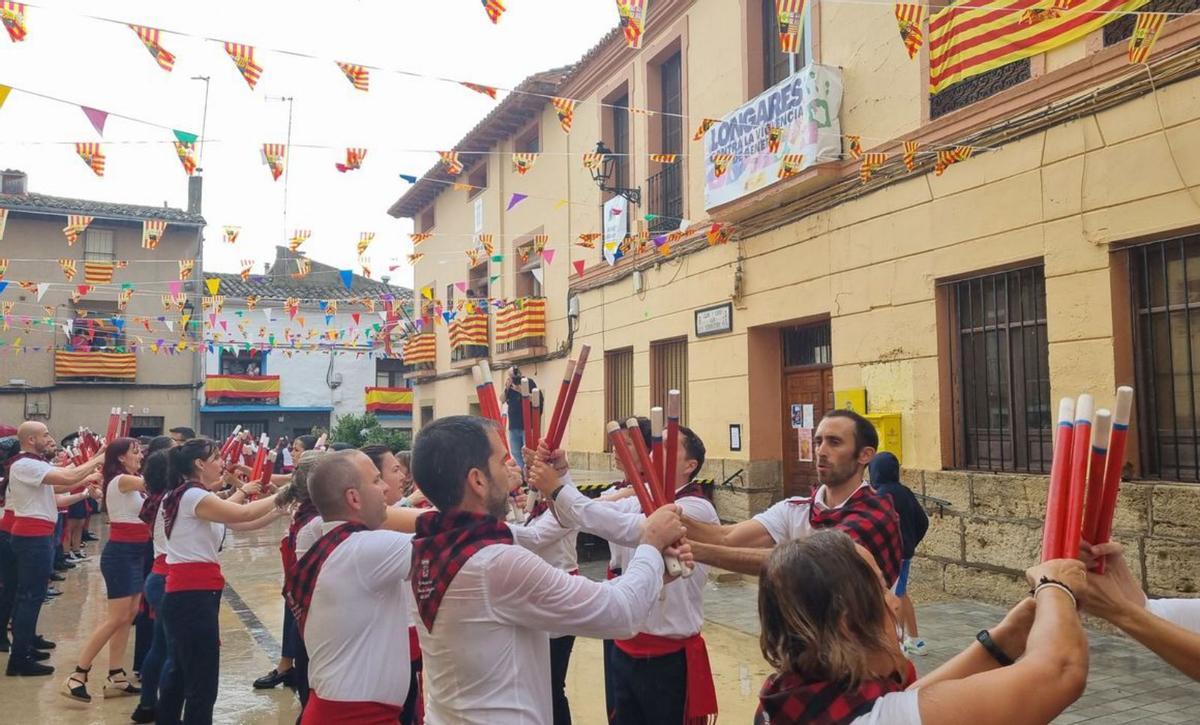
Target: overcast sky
column 73, row 57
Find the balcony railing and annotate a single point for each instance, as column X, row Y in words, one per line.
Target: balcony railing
column 389, row 401
column 521, row 326
column 665, row 198
column 116, row 366
column 420, row 354
column 241, row 390
column 469, row 337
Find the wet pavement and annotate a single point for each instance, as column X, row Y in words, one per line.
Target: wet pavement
column 1126, row 683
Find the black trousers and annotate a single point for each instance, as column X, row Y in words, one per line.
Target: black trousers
column 8, row 583
column 189, row 688
column 560, row 659
column 648, row 691
column 408, row 715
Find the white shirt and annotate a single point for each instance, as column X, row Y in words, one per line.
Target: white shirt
column 550, row 540
column 160, row 534
column 1182, row 612
column 29, row 497
column 894, row 708
column 680, row 613
column 788, row 519
column 487, row 662
column 308, row 535
column 193, row 539
column 123, row 508
column 357, row 627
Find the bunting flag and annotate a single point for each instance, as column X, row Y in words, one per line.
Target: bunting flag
column 274, row 156
column 247, row 265
column 579, row 266
column 358, row 76
column 243, row 58
column 213, row 285
column 565, row 108
column 76, row 224
column 484, row 90
column 251, row 300
column 231, row 234
column 3, row 221
column 485, row 241
column 721, row 164
column 92, row 155
column 187, row 156
column 364, row 241
column 152, row 232
column 150, row 38
column 514, row 200
column 3, row 266
column 354, row 159
column 98, row 272
column 82, row 290
column 450, row 160
column 664, row 158
column 539, row 242
column 419, row 237
column 95, row 117
column 548, row 255
column 855, row 143
column 461, row 186
column 587, row 240
column 592, row 160
column 415, row 257
column 123, row 298
column 870, row 162
column 910, row 154
column 703, row 128
column 303, row 267
column 68, row 268
column 494, row 9
column 633, row 21
column 774, row 138
column 186, row 266
column 718, row 234
column 523, row 162
column 951, row 156
column 473, row 256
column 971, row 38
column 791, row 20
column 790, row 165
column 299, row 236
column 13, row 16
column 366, row 266
column 173, row 302
column 1145, row 32
column 908, row 17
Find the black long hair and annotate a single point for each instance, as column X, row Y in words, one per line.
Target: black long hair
column 156, row 471
column 183, row 459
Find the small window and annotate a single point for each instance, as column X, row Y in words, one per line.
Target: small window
column 529, row 142
column 478, row 282
column 619, row 115
column 98, row 245
column 669, row 371
column 425, row 220
column 618, row 386
column 478, row 180
column 93, row 329
column 426, row 414
column 529, row 273
column 389, row 372
column 146, row 425
column 806, row 346
column 241, row 362
column 449, row 295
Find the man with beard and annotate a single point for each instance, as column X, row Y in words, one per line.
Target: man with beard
column 844, row 444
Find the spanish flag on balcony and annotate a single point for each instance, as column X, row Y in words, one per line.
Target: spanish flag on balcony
column 115, row 365
column 973, row 37
column 240, row 387
column 389, row 400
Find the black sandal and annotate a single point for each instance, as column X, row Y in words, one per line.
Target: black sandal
column 75, row 687
column 118, row 685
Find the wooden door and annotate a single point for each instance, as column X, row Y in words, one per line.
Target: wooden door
column 813, row 386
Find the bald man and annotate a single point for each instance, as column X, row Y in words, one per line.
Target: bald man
column 31, row 487
column 349, row 594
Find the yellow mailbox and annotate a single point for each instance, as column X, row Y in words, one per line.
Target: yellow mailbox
column 888, row 427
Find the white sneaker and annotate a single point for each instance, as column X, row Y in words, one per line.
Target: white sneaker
column 916, row 647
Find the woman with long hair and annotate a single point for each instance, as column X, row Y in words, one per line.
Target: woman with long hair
column 194, row 522
column 829, row 628
column 156, row 473
column 121, row 566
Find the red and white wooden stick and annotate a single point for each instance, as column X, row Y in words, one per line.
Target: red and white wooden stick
column 1060, row 481
column 671, row 444
column 563, row 388
column 114, row 420
column 555, row 435
column 620, row 442
column 526, row 414
column 1080, row 456
column 535, row 419
column 656, row 443
column 1095, row 486
column 1113, row 466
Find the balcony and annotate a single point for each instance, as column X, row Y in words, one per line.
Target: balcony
column 95, row 366
column 468, row 339
column 389, row 401
column 241, row 390
column 420, row 355
column 664, row 198
column 521, row 329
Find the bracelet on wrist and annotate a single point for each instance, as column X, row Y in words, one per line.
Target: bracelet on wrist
column 555, row 492
column 1056, row 585
column 984, row 638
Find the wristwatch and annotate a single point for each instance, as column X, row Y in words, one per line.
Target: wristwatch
column 985, row 638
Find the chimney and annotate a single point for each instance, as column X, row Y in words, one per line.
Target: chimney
column 195, row 194
column 13, row 181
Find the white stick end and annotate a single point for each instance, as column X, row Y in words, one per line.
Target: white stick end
column 1101, row 428
column 1124, row 407
column 1084, row 407
column 612, row 426
column 1066, row 411
column 656, row 422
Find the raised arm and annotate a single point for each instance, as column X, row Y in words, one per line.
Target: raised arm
column 64, row 479
column 541, row 531
column 402, row 520
column 744, row 534
column 260, row 522
column 742, row 560
column 212, row 508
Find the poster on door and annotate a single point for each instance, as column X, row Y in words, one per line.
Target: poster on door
column 806, row 444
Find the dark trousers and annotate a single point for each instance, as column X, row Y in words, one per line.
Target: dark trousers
column 190, row 686
column 414, row 703
column 291, row 634
column 560, row 658
column 60, row 553
column 143, row 623
column 158, row 659
column 648, row 691
column 35, row 561
column 8, row 583
column 300, row 669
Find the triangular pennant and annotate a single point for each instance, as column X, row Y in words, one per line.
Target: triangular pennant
column 537, row 274
column 514, row 200
column 347, row 276
column 358, row 76
column 213, row 284
column 548, row 255
column 4, row 91
column 243, row 58
column 41, row 290
column 150, row 38
column 579, row 266
column 96, row 117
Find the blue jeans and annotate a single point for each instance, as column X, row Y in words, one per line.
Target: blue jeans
column 35, row 561
column 516, row 440
column 158, row 659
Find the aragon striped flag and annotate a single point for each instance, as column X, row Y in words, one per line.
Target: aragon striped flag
column 790, row 165
column 243, row 58
column 791, row 19
column 633, row 21
column 450, row 160
column 870, row 162
column 721, row 164
column 946, row 157
column 150, row 38
column 565, row 108
column 358, row 76
column 92, row 155
column 98, row 272
column 664, row 158
column 494, row 9
column 910, row 154
column 974, row 37
column 68, row 267
column 275, row 157
column 152, row 232
column 1145, row 32
column 908, row 17
column 523, row 162
column 12, row 14
column 187, row 156
column 76, row 223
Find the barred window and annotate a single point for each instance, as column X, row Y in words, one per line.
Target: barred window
column 669, row 371
column 618, row 386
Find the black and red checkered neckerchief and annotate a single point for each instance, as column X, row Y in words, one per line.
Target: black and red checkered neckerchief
column 302, row 582
column 871, row 521
column 788, row 698
column 170, row 504
column 306, row 512
column 444, row 542
column 539, row 508
column 692, row 489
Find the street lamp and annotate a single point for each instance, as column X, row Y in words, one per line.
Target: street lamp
column 605, row 170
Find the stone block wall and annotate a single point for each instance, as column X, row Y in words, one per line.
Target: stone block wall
column 979, row 546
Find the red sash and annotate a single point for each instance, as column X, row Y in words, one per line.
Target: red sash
column 195, row 576
column 138, row 533
column 302, row 581
column 701, row 705
column 445, row 541
column 6, row 523
column 29, row 526
column 789, row 698
column 331, row 712
column 160, row 565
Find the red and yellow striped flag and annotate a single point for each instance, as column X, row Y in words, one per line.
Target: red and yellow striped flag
column 633, row 21
column 791, row 20
column 972, row 38
column 152, row 232
column 910, row 154
column 481, row 89
column 523, row 162
column 415, row 257
column 565, row 108
column 354, row 159
column 473, row 256
column 703, row 128
column 855, row 143
column 419, row 237
column 303, row 267
column 187, row 156
column 76, row 224
column 3, row 267
column 664, row 158
column 13, row 16
column 3, row 221
column 92, row 155
column 946, row 157
column 186, row 266
column 247, row 266
column 275, row 157
column 1145, row 32
column 299, row 236
column 539, row 242
column 231, row 234
column 774, row 138
column 364, row 241
column 123, row 298
column 494, row 9
column 587, row 240
column 98, row 272
column 243, row 58
column 450, row 160
column 69, row 269
column 485, row 241
column 721, row 164
column 790, row 165
column 592, row 160
column 908, row 17
column 358, row 76
column 150, row 38
column 870, row 162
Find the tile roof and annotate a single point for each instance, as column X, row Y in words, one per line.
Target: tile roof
column 322, row 283
column 43, row 204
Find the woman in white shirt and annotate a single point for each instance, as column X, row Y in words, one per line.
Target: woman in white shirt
column 829, row 629
column 121, row 564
